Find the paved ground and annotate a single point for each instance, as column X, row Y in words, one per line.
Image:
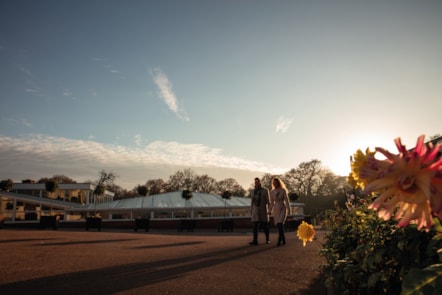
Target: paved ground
column 124, row 262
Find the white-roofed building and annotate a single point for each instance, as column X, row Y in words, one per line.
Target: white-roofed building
column 76, row 202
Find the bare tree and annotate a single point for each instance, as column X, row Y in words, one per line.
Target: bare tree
column 28, row 181
column 304, row 180
column 231, row 185
column 105, row 180
column 266, row 180
column 156, row 186
column 181, row 180
column 225, row 185
column 6, row 185
column 204, row 184
column 119, row 192
column 330, row 184
column 238, row 191
column 317, row 188
column 57, row 178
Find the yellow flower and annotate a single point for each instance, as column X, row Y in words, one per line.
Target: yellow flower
column 306, row 232
column 351, row 180
column 360, row 162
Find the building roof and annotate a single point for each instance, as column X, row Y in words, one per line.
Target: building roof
column 170, row 200
column 174, row 200
column 43, row 201
column 61, row 186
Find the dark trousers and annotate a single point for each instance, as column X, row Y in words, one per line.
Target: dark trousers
column 264, row 226
column 281, row 237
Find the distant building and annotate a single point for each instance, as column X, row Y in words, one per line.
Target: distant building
column 28, row 201
column 77, row 201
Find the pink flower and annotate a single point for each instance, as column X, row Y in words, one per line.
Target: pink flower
column 409, row 183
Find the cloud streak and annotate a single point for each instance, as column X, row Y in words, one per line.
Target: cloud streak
column 171, row 153
column 283, row 124
column 43, row 156
column 167, row 95
column 18, row 122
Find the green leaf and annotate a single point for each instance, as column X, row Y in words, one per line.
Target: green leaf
column 373, row 279
column 379, row 255
column 427, row 281
column 437, row 225
column 401, row 244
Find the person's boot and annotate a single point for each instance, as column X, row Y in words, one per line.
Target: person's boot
column 281, row 236
column 254, row 242
column 283, row 240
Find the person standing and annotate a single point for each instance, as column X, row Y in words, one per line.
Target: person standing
column 259, row 206
column 280, row 205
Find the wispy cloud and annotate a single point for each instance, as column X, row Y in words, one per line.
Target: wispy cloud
column 111, row 69
column 67, row 93
column 25, row 70
column 108, row 67
column 283, row 124
column 42, row 154
column 21, row 121
column 25, row 122
column 155, row 152
column 167, row 95
column 31, row 86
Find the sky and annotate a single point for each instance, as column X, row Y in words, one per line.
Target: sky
column 232, row 89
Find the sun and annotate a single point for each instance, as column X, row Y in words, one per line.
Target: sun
column 337, row 156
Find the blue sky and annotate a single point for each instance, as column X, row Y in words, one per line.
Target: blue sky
column 227, row 88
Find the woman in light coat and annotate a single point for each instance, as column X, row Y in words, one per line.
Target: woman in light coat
column 280, row 207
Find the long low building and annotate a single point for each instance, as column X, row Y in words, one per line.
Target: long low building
column 76, row 202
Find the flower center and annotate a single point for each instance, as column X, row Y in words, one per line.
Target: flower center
column 406, row 182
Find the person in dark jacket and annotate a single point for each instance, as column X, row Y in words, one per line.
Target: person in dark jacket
column 259, row 209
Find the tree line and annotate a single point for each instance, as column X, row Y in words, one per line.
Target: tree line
column 318, row 188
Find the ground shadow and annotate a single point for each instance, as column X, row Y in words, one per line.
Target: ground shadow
column 84, row 242
column 316, row 287
column 128, row 276
column 170, row 245
column 26, row 240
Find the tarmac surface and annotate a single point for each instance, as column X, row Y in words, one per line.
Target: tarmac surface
column 68, row 261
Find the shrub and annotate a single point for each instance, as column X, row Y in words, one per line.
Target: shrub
column 367, row 255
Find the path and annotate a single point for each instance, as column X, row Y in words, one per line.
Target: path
column 80, row 262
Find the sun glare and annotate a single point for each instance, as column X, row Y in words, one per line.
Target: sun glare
column 340, row 152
